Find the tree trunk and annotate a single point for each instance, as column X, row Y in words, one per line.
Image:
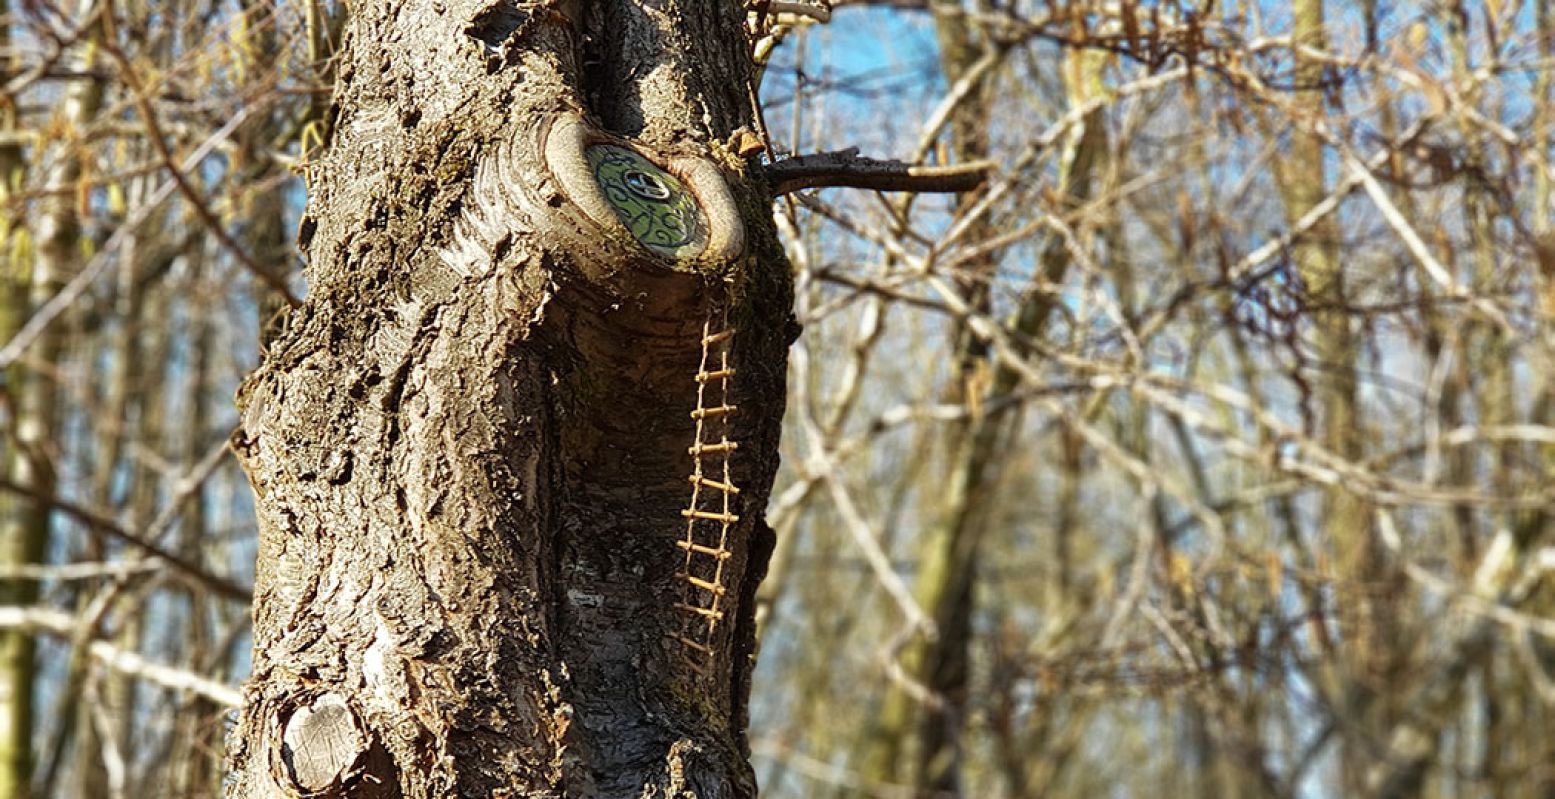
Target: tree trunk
column 977, row 447
column 470, row 447
column 17, row 667
column 950, row 547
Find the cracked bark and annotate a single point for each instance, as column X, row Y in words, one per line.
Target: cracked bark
column 469, row 446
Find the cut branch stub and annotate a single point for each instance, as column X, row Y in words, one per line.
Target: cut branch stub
column 322, row 747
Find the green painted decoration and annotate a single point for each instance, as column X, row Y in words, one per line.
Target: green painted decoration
column 651, row 202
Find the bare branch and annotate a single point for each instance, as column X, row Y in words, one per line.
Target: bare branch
column 820, row 12
column 108, row 255
column 130, row 663
column 846, row 169
column 193, row 571
column 132, row 81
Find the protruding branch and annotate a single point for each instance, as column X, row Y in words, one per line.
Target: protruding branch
column 845, row 168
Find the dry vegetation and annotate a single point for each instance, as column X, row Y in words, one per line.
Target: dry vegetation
column 1204, row 450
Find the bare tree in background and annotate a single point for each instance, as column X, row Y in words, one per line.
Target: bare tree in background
column 1269, row 524
column 124, row 532
column 1203, row 449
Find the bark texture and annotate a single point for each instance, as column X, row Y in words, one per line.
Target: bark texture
column 470, row 446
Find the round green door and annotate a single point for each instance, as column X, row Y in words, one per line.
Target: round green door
column 653, row 204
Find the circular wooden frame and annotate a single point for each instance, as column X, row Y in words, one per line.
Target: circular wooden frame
column 566, row 157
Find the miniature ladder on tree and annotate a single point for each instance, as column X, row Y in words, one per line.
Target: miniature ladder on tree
column 710, row 516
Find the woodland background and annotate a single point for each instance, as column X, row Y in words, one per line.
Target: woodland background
column 1205, row 450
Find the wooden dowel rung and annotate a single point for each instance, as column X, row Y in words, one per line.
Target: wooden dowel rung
column 722, row 446
column 708, row 377
column 711, row 515
column 707, row 413
column 703, row 584
column 695, row 645
column 727, row 488
column 700, row 549
column 720, row 336
column 712, row 613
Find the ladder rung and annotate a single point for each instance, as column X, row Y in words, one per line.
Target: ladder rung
column 722, row 446
column 708, row 413
column 708, row 377
column 716, row 615
column 727, row 488
column 702, row 584
column 700, row 549
column 713, row 515
column 722, row 335
column 695, row 645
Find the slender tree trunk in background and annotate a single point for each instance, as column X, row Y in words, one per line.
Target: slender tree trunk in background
column 24, row 532
column 1227, row 718
column 59, row 256
column 470, row 447
column 946, row 584
column 1364, row 580
column 1487, row 356
column 17, row 513
column 198, row 771
column 126, row 395
column 123, row 397
column 930, row 736
column 105, row 726
column 909, row 743
column 983, row 443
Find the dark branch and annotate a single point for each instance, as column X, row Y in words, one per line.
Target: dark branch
column 189, row 569
column 846, row 168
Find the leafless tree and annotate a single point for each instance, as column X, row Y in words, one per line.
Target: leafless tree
column 1198, row 442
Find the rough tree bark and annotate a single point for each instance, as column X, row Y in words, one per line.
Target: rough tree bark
column 469, row 448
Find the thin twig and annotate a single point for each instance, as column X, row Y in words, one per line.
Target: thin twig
column 90, row 518
column 148, row 114
column 108, row 253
